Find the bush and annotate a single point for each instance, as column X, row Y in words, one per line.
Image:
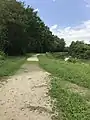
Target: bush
column 2, row 55
column 80, row 50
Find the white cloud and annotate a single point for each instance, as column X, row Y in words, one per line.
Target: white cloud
column 53, row 27
column 36, row 10
column 87, row 2
column 81, row 32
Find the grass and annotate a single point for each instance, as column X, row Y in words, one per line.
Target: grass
column 77, row 73
column 70, row 88
column 10, row 65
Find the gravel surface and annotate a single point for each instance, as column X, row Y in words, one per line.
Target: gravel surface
column 24, row 96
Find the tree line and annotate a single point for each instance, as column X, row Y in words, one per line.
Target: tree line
column 79, row 50
column 22, row 30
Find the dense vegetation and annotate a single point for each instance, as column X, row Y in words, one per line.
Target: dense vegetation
column 80, row 50
column 22, row 30
column 70, row 88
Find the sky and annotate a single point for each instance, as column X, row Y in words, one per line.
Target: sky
column 68, row 19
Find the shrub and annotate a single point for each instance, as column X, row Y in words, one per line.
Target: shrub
column 80, row 50
column 2, row 55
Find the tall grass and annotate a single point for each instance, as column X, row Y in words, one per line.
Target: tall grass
column 77, row 73
column 70, row 88
column 10, row 65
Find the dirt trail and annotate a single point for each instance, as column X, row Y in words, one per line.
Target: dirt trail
column 24, row 96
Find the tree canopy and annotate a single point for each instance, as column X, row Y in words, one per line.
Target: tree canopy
column 22, row 30
column 80, row 50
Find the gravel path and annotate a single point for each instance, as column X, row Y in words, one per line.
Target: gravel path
column 24, row 96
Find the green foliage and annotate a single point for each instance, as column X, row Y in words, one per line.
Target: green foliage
column 60, row 55
column 22, row 30
column 80, row 50
column 72, row 100
column 66, row 49
column 59, row 44
column 2, row 55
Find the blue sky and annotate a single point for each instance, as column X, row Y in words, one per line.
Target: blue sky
column 66, row 18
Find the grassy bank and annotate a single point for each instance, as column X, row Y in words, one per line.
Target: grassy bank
column 10, row 65
column 70, row 86
column 77, row 73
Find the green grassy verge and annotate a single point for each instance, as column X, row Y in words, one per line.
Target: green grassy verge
column 70, row 87
column 77, row 73
column 10, row 65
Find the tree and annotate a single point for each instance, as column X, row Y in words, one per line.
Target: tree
column 59, row 44
column 13, row 19
column 79, row 49
column 22, row 30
